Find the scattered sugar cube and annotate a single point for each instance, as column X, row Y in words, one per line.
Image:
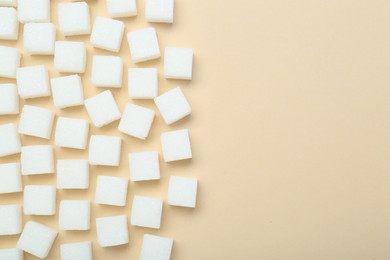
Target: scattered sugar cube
column 39, row 200
column 75, row 215
column 71, row 133
column 176, row 145
column 146, row 212
column 12, row 3
column 73, row 18
column 121, row 8
column 39, row 38
column 136, row 121
column 36, row 121
column 107, row 71
column 70, row 56
column 143, row 45
column 37, row 159
column 142, row 83
column 36, row 239
column 173, row 105
column 105, row 150
column 182, row 191
column 67, row 91
column 9, row 24
column 9, row 61
column 11, row 254
column 9, row 140
column 72, row 174
column 10, row 178
column 159, row 11
column 33, row 81
column 107, row 34
column 9, row 99
column 34, row 11
column 102, row 109
column 76, row 251
column 111, row 191
column 10, row 220
column 144, row 166
column 156, row 248
column 178, row 63
column 112, row 231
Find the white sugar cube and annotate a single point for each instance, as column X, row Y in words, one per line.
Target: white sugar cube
column 136, row 121
column 76, row 251
column 9, row 140
column 33, row 81
column 39, row 38
column 34, row 11
column 144, row 166
column 107, row 71
column 156, row 248
column 111, row 191
column 173, row 105
column 178, row 63
column 37, row 159
column 112, row 231
column 12, row 3
column 39, row 200
column 72, row 174
column 36, row 121
column 74, row 215
column 11, row 254
column 10, row 178
column 10, row 219
column 9, row 99
column 102, row 109
column 159, row 11
column 9, row 61
column 71, row 133
column 142, row 83
column 105, row 150
column 146, row 212
column 121, row 8
column 36, row 239
column 107, row 34
column 67, row 91
column 176, row 145
column 143, row 45
column 73, row 18
column 9, row 24
column 182, row 191
column 70, row 56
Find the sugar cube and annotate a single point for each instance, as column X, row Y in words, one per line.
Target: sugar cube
column 10, row 219
column 112, row 231
column 136, row 121
column 107, row 71
column 39, row 38
column 105, row 150
column 176, row 145
column 102, row 109
column 9, row 140
column 36, row 239
column 182, row 191
column 159, row 11
column 178, row 63
column 111, row 191
column 12, row 3
column 11, row 254
column 143, row 45
column 142, row 83
column 72, row 174
column 73, row 18
column 144, row 166
column 146, row 212
column 173, row 105
column 76, row 251
column 156, row 248
column 70, row 56
column 34, row 11
column 71, row 133
column 39, row 200
column 9, row 24
column 74, row 215
column 33, row 81
column 9, row 99
column 121, row 8
column 36, row 121
column 37, row 159
column 107, row 34
column 67, row 91
column 9, row 61
column 10, row 178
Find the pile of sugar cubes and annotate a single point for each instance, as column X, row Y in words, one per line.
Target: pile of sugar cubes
column 28, row 82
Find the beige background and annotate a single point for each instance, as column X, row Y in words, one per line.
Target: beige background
column 290, row 132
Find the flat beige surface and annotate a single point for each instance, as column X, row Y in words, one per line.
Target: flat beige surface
column 290, row 132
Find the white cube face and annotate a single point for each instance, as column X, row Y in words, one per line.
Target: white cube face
column 67, row 91
column 12, row 3
column 155, row 247
column 102, row 109
column 105, row 150
column 39, row 38
column 182, row 191
column 72, row 174
column 9, row 99
column 112, row 231
column 107, row 34
column 146, row 212
column 10, row 178
column 39, row 200
column 121, row 8
column 144, row 166
column 10, row 220
column 33, row 82
column 143, row 45
column 71, row 133
column 159, row 11
column 11, row 254
column 142, row 83
column 107, row 71
column 9, row 140
column 176, row 145
column 37, row 159
column 9, row 24
column 36, row 121
column 75, row 215
column 178, row 63
column 73, row 18
column 76, row 251
column 111, row 191
column 70, row 56
column 9, row 61
column 34, row 11
column 136, row 121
